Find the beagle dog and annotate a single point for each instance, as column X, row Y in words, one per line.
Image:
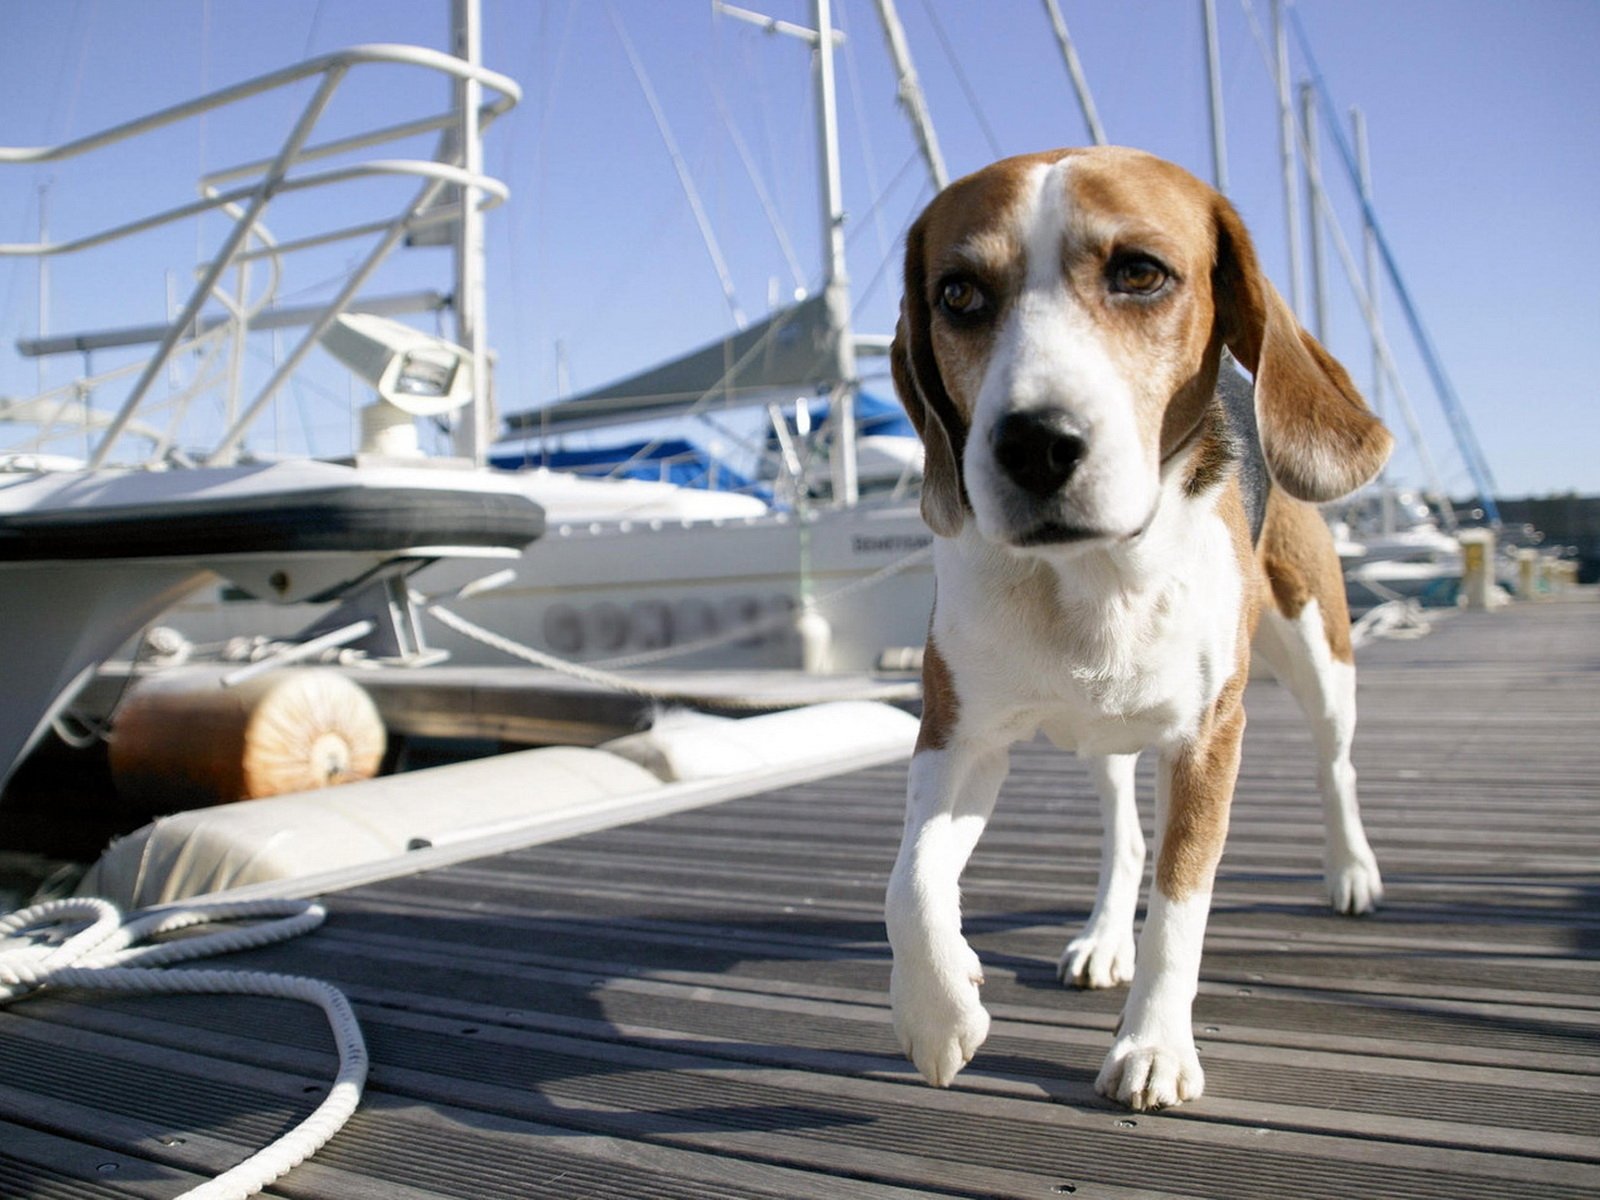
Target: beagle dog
column 1117, row 522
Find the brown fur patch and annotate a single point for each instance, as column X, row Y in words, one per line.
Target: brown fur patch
column 940, row 706
column 1213, row 457
column 1203, row 775
column 1301, row 564
column 1320, row 439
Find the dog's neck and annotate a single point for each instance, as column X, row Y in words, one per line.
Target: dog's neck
column 1106, row 605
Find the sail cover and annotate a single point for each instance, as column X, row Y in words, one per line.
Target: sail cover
column 795, row 348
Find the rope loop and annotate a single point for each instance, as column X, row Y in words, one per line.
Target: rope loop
column 84, row 942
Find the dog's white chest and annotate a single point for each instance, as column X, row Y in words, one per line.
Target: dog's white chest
column 1099, row 666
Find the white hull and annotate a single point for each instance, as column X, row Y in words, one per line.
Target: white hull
column 89, row 558
column 603, row 590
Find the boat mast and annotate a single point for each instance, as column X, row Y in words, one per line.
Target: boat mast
column 835, row 272
column 1286, row 139
column 1219, row 135
column 911, row 97
column 473, row 430
column 836, row 277
column 1080, row 84
column 44, row 274
column 1358, row 132
column 1314, row 202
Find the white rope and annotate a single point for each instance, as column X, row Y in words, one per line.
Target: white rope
column 650, row 691
column 40, row 947
column 1398, row 619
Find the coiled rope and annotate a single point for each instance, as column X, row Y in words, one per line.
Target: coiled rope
column 1397, row 619
column 43, row 947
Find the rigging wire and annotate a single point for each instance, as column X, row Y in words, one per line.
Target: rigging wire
column 961, row 78
column 858, row 111
column 756, row 182
column 1080, row 82
column 684, row 177
column 859, row 300
column 311, row 31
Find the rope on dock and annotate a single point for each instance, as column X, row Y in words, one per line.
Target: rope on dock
column 638, row 687
column 1397, row 618
column 43, row 947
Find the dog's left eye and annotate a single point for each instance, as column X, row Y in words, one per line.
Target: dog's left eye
column 961, row 298
column 1138, row 275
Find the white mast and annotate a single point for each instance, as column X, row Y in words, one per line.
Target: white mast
column 1358, row 130
column 1286, row 139
column 911, row 97
column 1219, row 134
column 835, row 272
column 1080, row 84
column 475, row 427
column 1319, row 285
column 836, row 278
column 44, row 275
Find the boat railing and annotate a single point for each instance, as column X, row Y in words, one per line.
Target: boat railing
column 243, row 193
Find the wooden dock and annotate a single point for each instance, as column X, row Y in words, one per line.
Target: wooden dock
column 695, row 1006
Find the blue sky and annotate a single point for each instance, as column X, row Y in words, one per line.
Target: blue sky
column 1481, row 114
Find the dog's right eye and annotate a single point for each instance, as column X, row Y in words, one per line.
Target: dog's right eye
column 962, row 298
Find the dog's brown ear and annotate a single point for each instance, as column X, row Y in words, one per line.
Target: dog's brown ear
column 921, row 389
column 1318, row 436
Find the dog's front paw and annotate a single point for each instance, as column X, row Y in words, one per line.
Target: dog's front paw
column 937, row 1015
column 1098, row 958
column 1145, row 1075
column 1354, row 885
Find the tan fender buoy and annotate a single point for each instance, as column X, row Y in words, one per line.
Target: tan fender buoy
column 181, row 740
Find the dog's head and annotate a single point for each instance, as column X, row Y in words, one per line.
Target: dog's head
column 1059, row 340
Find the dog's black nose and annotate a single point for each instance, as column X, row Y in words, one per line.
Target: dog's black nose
column 1038, row 450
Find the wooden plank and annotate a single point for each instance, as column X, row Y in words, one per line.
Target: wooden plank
column 44, row 1166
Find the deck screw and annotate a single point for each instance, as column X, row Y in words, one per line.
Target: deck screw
column 1127, row 1123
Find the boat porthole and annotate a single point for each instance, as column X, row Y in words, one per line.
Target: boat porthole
column 563, row 629
column 651, row 622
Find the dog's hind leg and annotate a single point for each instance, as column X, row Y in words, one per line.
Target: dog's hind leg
column 933, row 987
column 1102, row 955
column 1297, row 650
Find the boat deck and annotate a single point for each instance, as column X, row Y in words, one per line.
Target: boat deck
column 695, row 1006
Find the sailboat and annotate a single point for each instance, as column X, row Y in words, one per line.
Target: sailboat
column 821, row 563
